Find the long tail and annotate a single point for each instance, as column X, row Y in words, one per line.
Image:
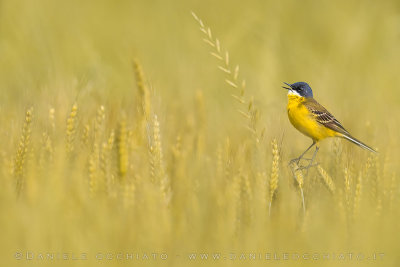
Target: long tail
column 358, row 142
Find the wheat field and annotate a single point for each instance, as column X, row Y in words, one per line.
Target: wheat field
column 149, row 133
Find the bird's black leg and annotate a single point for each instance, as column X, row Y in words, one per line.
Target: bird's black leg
column 297, row 160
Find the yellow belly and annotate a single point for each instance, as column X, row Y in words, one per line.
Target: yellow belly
column 302, row 119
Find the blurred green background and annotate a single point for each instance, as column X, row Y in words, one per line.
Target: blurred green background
column 52, row 51
column 55, row 53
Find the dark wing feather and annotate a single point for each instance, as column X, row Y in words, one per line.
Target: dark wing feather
column 324, row 117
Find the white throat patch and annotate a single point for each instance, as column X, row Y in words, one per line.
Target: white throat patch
column 292, row 92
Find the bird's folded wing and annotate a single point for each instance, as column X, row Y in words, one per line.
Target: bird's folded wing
column 323, row 116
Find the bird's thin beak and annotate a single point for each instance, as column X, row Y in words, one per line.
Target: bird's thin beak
column 287, row 88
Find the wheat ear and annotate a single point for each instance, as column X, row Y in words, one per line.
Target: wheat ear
column 248, row 110
column 71, row 128
column 327, row 179
column 93, row 170
column 143, row 90
column 157, row 167
column 273, row 182
column 22, row 150
column 123, row 158
column 357, row 195
column 298, row 175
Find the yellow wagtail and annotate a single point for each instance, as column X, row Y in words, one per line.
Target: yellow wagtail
column 313, row 120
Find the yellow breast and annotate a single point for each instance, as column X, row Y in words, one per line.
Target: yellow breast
column 304, row 121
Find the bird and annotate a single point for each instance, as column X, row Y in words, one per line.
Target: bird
column 313, row 120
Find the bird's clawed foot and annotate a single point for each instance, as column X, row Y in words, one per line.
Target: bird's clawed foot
column 297, row 161
column 308, row 166
column 296, row 166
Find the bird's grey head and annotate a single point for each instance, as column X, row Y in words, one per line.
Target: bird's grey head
column 299, row 88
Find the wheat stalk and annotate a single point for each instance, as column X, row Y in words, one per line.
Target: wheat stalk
column 157, row 167
column 246, row 196
column 347, row 189
column 93, row 170
column 143, row 101
column 22, row 150
column 357, row 195
column 123, row 158
column 96, row 168
column 298, row 175
column 273, row 182
column 46, row 151
column 86, row 134
column 236, row 200
column 71, row 128
column 143, row 90
column 248, row 110
column 52, row 112
column 99, row 124
column 109, row 176
column 377, row 183
column 327, row 179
